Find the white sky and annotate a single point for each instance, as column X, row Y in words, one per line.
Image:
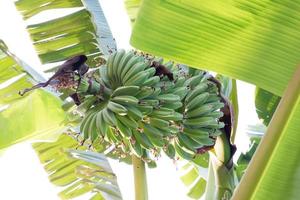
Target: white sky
column 22, row 176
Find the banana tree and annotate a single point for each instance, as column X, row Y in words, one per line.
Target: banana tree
column 217, row 36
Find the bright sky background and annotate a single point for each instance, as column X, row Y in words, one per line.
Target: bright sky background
column 23, row 177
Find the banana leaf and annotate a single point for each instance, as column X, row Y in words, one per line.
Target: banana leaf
column 254, row 41
column 266, row 104
column 84, row 31
column 77, row 171
column 35, row 116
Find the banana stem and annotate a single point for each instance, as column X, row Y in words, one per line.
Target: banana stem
column 222, row 166
column 140, row 179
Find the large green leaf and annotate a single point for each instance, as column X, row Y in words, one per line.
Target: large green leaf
column 266, row 104
column 83, row 31
column 255, row 41
column 35, row 116
column 78, row 172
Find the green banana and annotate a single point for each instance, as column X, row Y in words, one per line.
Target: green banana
column 197, row 101
column 128, row 121
column 167, row 98
column 146, row 110
column 85, row 120
column 151, row 71
column 151, row 81
column 213, row 98
column 199, row 111
column 151, row 131
column 133, row 60
column 159, row 123
column 86, row 125
column 216, row 125
column 176, row 116
column 193, row 81
column 134, row 113
column 126, row 90
column 185, row 154
column 181, row 92
column 188, row 143
column 136, row 148
column 215, row 114
column 109, row 117
column 123, row 62
column 145, row 92
column 149, row 102
column 179, row 82
column 125, row 100
column 93, row 131
column 101, row 124
column 142, row 139
column 124, row 129
column 112, row 136
column 195, row 92
column 137, row 79
column 174, row 105
column 117, row 108
column 157, row 141
column 196, row 132
column 170, row 151
column 200, row 121
column 116, row 65
column 138, row 67
column 161, row 112
column 109, row 65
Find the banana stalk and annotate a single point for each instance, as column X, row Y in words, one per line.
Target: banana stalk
column 140, row 179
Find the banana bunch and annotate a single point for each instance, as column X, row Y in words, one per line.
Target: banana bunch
column 129, row 106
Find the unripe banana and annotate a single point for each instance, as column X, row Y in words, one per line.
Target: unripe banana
column 117, row 108
column 128, row 121
column 185, row 154
column 109, row 65
column 151, row 131
column 151, row 81
column 134, row 113
column 126, row 90
column 181, row 92
column 133, row 60
column 199, row 111
column 159, row 123
column 142, row 139
column 123, row 62
column 149, row 102
column 144, row 92
column 124, row 129
column 188, row 143
column 197, row 91
column 170, row 151
column 138, row 67
column 166, row 98
column 125, row 100
column 136, row 148
column 137, row 79
column 193, row 81
column 101, row 124
column 116, row 65
column 157, row 141
column 199, row 122
column 109, row 117
column 197, row 101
